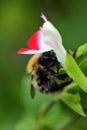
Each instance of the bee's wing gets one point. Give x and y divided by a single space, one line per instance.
32 89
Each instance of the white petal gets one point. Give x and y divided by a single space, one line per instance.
51 31
53 38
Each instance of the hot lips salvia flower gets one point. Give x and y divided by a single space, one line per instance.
48 38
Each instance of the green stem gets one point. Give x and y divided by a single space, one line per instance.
71 123
49 106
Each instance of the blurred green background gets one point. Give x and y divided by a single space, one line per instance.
18 20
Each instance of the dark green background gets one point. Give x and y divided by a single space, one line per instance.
18 20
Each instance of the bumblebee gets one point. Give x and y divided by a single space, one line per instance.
44 69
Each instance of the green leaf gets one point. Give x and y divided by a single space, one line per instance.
72 87
83 65
73 101
81 50
75 72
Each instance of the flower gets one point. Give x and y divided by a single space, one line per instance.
53 38
48 38
45 39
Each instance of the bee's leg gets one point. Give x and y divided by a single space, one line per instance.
52 72
74 53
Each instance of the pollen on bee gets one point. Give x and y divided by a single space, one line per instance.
33 63
41 28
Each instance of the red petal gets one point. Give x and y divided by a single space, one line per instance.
20 51
34 40
28 51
